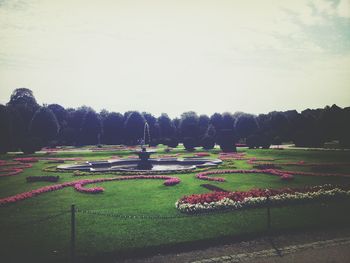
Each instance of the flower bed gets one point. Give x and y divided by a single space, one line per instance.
257 198
11 170
79 186
255 161
61 159
204 175
27 159
202 154
44 178
232 156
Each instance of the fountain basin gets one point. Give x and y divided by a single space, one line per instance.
133 165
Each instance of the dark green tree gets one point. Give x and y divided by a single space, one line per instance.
113 128
189 126
5 129
134 128
246 125
44 125
90 131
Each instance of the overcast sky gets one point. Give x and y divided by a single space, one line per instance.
173 56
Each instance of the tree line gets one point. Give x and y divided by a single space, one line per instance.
27 126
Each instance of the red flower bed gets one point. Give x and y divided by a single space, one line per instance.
204 175
240 195
61 159
27 159
11 170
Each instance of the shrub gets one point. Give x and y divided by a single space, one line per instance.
256 141
226 140
208 142
189 143
31 145
264 142
252 141
171 142
154 142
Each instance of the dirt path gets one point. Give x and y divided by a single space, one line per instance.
326 246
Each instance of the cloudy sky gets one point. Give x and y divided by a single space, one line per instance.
173 56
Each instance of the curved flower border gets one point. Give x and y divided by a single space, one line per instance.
79 186
284 175
198 203
10 169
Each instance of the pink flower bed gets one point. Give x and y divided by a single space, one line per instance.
315 174
300 163
6 163
27 159
61 159
241 195
79 186
232 156
204 175
11 170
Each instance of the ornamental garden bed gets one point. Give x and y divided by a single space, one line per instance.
258 198
109 233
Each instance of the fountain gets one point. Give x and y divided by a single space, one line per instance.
144 162
144 155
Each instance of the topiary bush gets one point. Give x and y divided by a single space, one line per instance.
257 141
172 142
252 141
189 143
264 142
31 145
208 142
226 140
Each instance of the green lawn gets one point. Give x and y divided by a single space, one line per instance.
26 236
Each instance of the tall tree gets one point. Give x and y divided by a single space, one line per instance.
44 125
203 123
246 125
134 128
216 121
90 128
166 126
5 129
113 128
22 106
189 126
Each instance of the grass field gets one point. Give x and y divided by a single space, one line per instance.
28 235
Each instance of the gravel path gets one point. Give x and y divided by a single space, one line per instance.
326 246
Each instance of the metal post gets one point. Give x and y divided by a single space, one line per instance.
268 214
72 236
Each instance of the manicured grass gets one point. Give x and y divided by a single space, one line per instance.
107 236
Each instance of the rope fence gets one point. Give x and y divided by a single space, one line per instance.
73 211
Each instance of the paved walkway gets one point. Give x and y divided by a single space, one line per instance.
333 250
332 246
